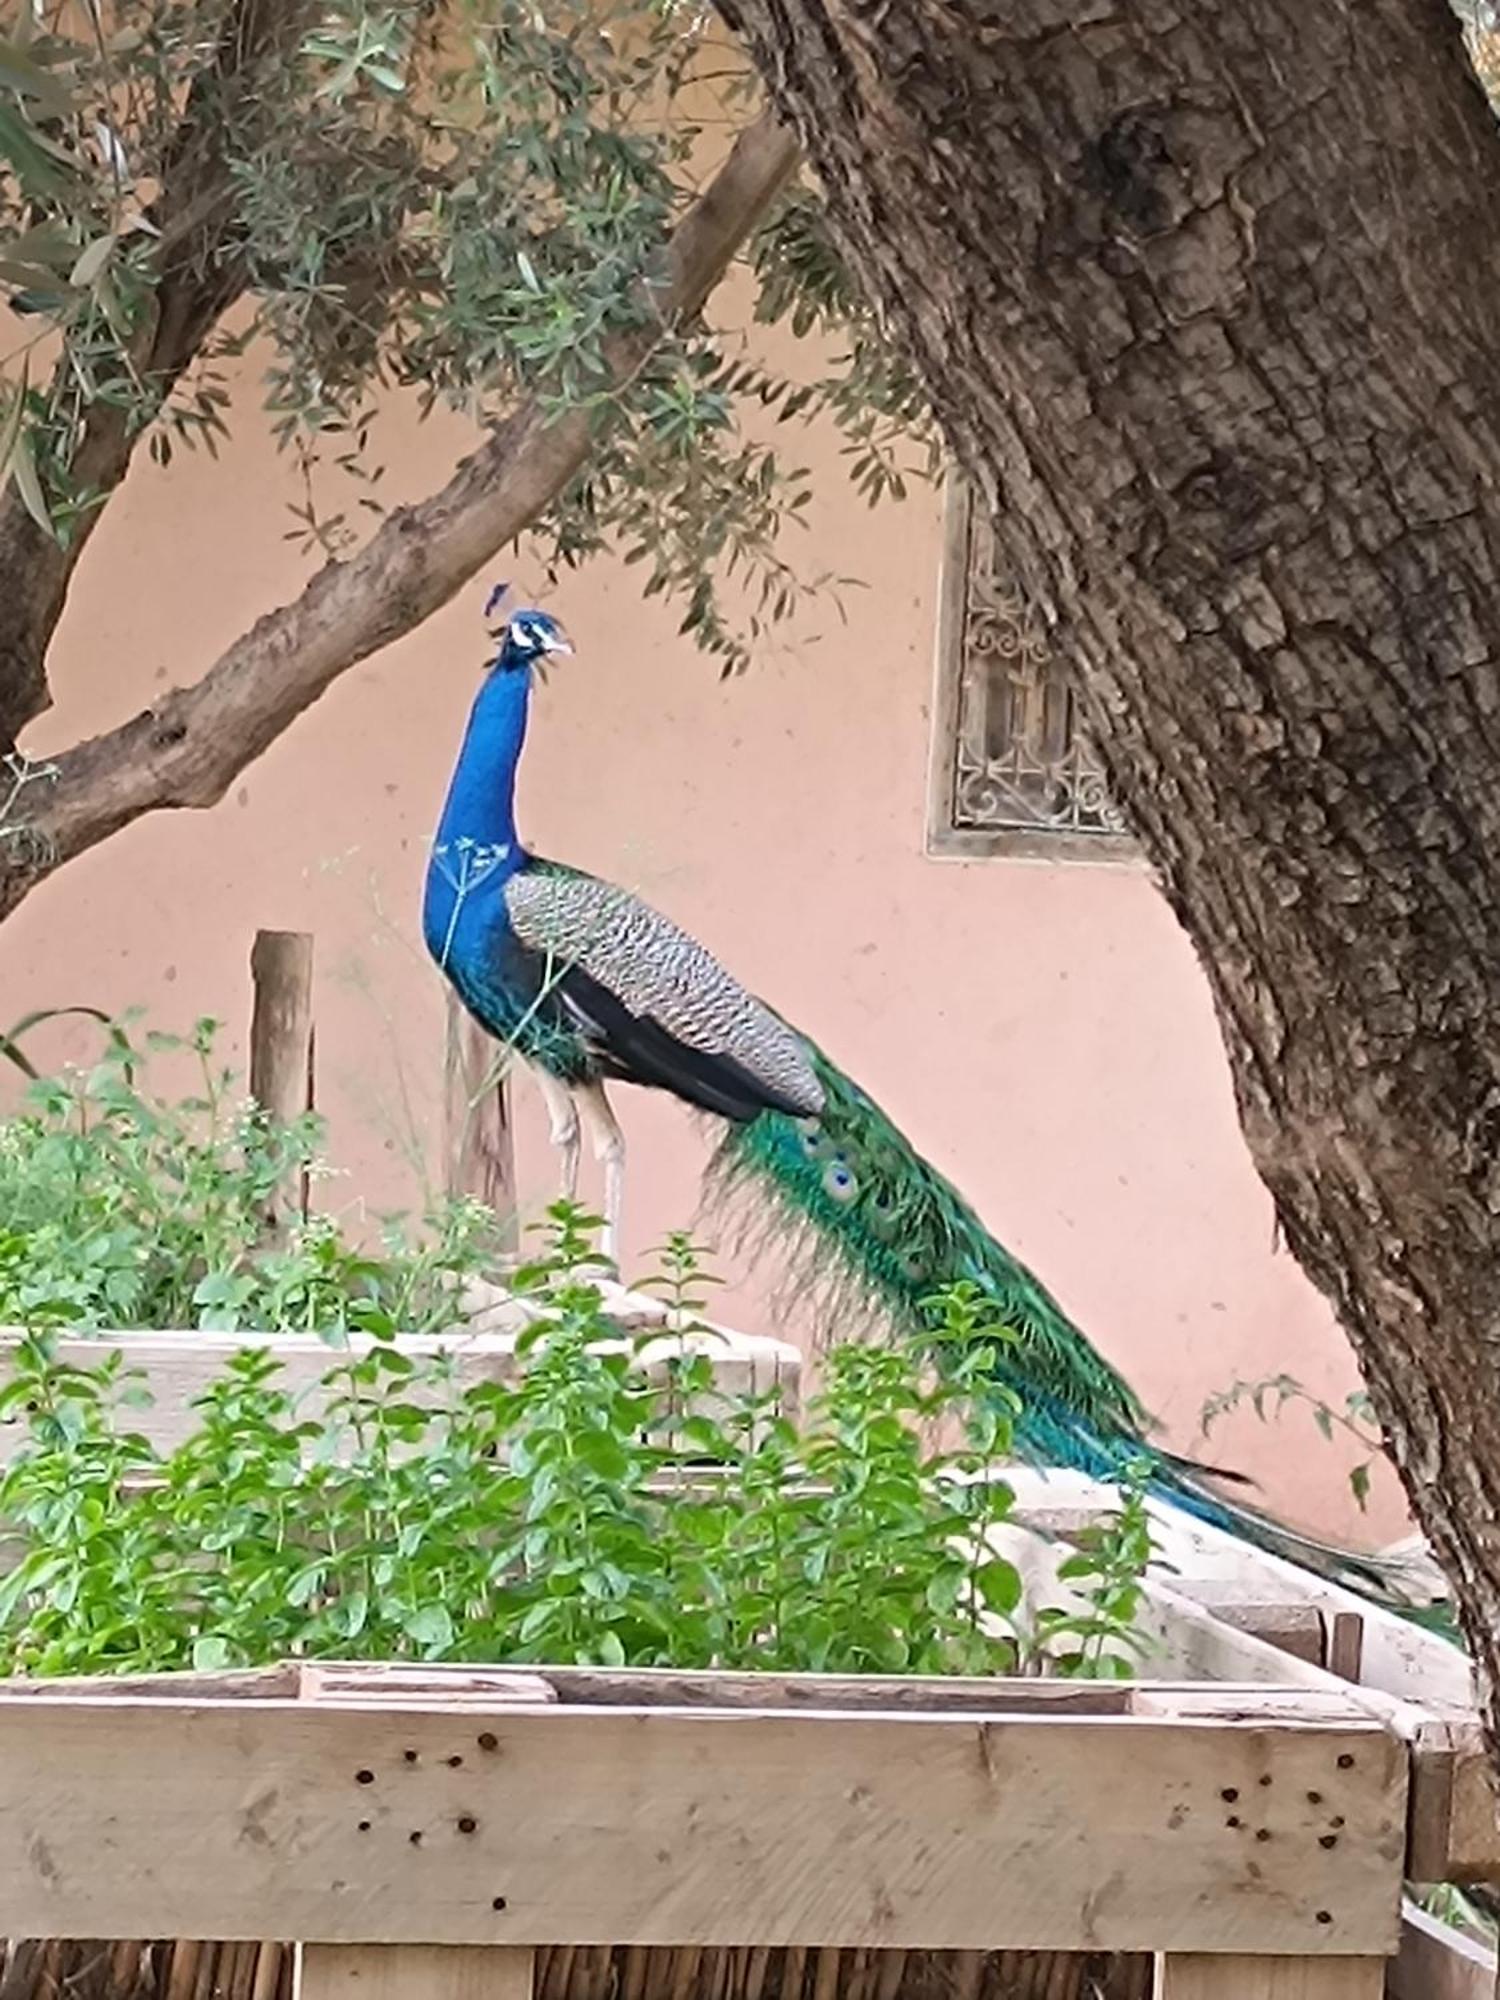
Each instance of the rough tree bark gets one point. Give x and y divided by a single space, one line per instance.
1208 301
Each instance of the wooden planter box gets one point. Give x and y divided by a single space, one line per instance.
432 1832
732 1837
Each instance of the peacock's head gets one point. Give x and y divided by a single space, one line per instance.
526 636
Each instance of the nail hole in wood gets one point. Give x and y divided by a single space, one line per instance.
498 1903
1328 1840
1337 1820
468 1823
1325 1916
410 1756
1229 1795
488 1740
1262 1833
415 1836
1315 1798
364 1777
453 1762
1346 1761
1265 1778
1234 1820
364 1826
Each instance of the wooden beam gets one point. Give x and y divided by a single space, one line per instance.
1398 1658
1233 1977
1276 1830
413 1972
281 1039
1436 1962
1455 1822
1186 1641
180 1366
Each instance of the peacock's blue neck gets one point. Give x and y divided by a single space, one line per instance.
476 849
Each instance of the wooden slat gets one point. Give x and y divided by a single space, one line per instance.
180 1366
649 1826
413 1972
1455 1828
1237 1978
1185 1641
1436 1963
380 1682
1398 1658
890 1694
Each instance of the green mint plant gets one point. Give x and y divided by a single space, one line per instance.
613 1500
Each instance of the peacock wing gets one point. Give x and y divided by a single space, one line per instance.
654 1001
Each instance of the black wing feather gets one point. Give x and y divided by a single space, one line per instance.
637 1049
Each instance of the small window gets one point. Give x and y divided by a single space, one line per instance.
1012 772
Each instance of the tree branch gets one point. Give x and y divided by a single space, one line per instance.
198 279
189 748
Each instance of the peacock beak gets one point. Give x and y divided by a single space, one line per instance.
558 642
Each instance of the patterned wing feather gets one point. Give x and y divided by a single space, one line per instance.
667 983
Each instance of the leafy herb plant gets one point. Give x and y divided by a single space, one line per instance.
600 1504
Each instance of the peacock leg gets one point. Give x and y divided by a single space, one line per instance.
608 1142
562 1119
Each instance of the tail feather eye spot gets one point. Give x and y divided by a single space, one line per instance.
839 1182
816 1145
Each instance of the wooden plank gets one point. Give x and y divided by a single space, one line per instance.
413 1972
1399 1658
479 1145
180 1366
1298 1629
384 1682
1455 1825
1436 1962
888 1694
1185 1641
586 1825
1224 1977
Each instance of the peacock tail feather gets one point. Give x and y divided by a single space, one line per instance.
869 1230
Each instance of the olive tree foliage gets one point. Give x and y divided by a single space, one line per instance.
518 210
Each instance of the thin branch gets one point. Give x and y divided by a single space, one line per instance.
197 282
189 748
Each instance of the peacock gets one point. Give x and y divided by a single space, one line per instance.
590 985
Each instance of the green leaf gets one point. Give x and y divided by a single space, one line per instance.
42 167
23 471
430 1626
999 1585
10 432
28 79
92 261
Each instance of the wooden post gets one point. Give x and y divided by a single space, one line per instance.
1232 1976
281 1032
414 1972
1346 1645
479 1143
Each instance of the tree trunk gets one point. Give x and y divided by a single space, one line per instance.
1208 300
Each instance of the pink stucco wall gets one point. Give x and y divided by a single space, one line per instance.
1041 1031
